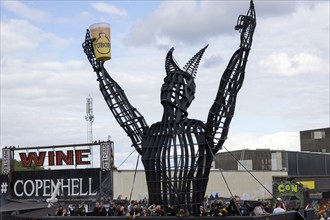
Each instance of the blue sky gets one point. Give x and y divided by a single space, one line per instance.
45 76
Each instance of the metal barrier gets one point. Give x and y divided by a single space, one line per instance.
289 215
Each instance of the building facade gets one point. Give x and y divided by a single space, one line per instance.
310 168
240 183
316 140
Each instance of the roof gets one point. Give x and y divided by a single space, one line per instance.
39 213
12 206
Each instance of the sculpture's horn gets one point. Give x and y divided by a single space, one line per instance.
170 63
192 64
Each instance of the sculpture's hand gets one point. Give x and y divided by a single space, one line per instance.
223 108
89 51
246 25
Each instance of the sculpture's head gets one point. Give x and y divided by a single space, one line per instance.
178 89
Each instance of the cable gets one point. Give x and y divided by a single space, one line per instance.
231 194
137 163
126 158
248 171
222 174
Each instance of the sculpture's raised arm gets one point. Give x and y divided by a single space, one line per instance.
246 25
223 108
126 115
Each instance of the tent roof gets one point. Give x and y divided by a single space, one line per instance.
39 213
22 205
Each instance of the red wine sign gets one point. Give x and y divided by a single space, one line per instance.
56 158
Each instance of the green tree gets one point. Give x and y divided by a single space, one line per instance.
19 167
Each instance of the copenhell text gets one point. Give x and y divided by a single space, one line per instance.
45 187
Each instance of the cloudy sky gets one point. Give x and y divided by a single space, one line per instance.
45 76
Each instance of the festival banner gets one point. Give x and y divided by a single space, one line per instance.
74 184
6 161
106 156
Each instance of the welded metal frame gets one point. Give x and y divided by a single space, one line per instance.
177 152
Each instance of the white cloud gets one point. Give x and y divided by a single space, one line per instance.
13 36
108 8
44 101
301 63
305 31
25 11
34 76
85 15
183 21
196 21
20 37
274 141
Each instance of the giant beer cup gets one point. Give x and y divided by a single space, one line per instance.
100 34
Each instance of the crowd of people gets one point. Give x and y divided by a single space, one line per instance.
75 210
210 207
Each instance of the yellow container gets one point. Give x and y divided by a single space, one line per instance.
100 34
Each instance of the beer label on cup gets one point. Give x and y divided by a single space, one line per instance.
102 44
100 33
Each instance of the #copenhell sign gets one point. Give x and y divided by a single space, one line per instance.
74 183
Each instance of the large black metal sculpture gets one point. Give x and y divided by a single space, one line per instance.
177 152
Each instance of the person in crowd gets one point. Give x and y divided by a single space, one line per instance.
232 208
182 213
135 211
221 204
207 209
202 211
103 210
214 210
65 212
144 211
153 208
223 212
143 202
278 208
158 211
267 206
130 206
121 210
59 211
170 211
282 203
82 211
206 202
112 209
309 206
259 210
246 208
97 209
218 208
74 210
